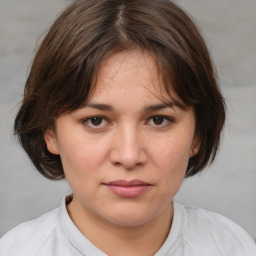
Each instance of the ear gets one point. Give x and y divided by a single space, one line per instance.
195 146
51 143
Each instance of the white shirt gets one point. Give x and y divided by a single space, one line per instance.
194 232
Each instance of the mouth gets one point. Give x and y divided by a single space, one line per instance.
128 189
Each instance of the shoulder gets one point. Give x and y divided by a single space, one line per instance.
27 236
216 232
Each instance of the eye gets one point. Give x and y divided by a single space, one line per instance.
95 122
160 121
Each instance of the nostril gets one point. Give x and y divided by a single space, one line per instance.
129 164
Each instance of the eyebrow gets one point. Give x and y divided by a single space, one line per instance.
104 107
147 109
157 107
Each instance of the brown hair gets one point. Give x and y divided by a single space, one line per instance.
86 33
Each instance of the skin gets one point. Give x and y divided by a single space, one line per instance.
129 139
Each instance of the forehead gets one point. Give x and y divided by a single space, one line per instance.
131 72
128 65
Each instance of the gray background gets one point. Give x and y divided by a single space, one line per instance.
227 187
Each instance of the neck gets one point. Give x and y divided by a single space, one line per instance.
145 239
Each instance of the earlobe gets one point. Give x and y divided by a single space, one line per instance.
50 140
194 151
195 147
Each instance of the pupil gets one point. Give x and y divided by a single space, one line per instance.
158 120
96 120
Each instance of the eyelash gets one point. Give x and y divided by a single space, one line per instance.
165 118
89 119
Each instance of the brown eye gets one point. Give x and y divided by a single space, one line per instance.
96 121
158 120
161 121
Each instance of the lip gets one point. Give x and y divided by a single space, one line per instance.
128 189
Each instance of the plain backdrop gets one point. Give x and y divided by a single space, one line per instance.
227 187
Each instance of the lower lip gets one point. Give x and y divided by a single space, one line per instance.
128 191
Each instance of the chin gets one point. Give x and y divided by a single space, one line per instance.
129 217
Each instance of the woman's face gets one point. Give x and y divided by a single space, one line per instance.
125 152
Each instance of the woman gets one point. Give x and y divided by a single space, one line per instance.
122 101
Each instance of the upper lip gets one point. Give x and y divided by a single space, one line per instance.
127 183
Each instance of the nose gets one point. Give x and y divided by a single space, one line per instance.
128 149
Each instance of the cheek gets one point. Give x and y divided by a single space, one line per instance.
171 159
170 164
79 166
171 153
82 157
